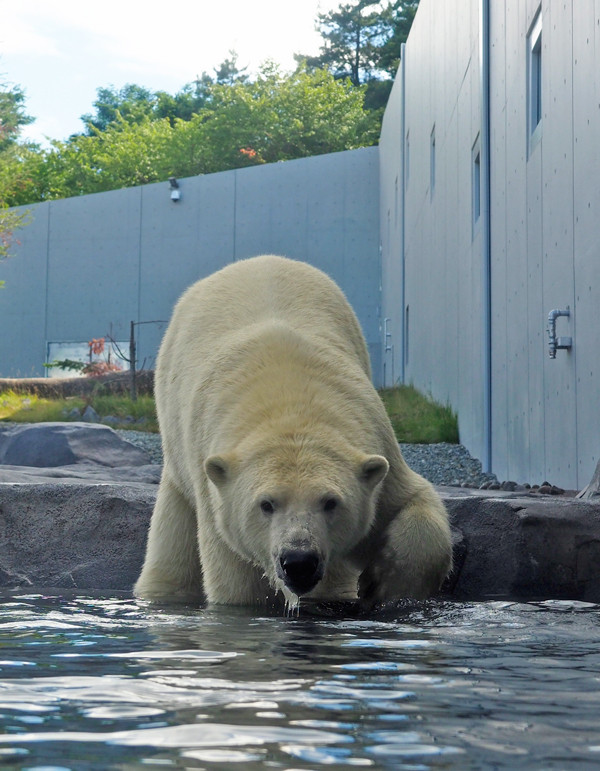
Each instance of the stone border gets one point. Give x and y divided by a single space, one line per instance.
91 536
526 547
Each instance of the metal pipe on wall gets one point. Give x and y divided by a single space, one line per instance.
402 210
486 247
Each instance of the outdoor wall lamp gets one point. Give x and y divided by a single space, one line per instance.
174 187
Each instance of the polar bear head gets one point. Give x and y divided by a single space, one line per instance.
293 505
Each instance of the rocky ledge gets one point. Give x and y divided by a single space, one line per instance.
76 516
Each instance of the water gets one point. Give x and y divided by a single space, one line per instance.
91 682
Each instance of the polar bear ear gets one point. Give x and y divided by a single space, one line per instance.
218 469
373 469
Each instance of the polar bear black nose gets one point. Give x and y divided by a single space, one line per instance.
300 570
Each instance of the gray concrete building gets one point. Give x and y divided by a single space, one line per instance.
490 203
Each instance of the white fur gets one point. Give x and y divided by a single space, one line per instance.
263 390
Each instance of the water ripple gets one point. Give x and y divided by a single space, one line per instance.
99 683
192 735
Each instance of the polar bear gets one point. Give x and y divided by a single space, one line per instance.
282 476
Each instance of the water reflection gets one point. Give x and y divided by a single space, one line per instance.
103 682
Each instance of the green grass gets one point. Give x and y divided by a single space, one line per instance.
31 408
418 419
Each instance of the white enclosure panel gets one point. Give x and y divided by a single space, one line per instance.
544 214
586 238
560 418
23 306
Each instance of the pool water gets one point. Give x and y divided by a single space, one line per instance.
92 682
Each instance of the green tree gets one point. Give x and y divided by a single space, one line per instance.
123 155
12 120
275 117
22 175
135 104
403 17
12 115
194 96
186 102
353 35
362 43
279 117
228 72
132 103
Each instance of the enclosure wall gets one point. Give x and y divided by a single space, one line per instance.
544 248
88 266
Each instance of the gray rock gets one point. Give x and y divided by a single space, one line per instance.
592 490
86 536
64 444
525 547
91 534
90 415
81 472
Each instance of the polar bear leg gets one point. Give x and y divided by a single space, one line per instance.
172 565
229 579
415 552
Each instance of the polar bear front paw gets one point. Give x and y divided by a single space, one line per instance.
388 579
381 580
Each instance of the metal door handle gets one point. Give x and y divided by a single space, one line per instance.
554 342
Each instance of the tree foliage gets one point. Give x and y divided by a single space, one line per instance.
134 104
403 17
12 115
236 123
362 43
131 103
12 119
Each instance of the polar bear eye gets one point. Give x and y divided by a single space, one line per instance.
266 507
330 504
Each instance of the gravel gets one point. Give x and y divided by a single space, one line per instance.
446 464
144 440
441 464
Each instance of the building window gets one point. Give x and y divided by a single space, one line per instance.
406 160
432 163
475 184
534 81
406 334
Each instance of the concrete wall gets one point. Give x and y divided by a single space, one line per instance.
440 348
544 210
546 246
89 265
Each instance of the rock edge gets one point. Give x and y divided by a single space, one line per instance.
91 534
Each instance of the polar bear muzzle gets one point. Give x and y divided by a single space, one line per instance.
299 569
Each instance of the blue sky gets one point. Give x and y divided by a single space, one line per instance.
61 51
